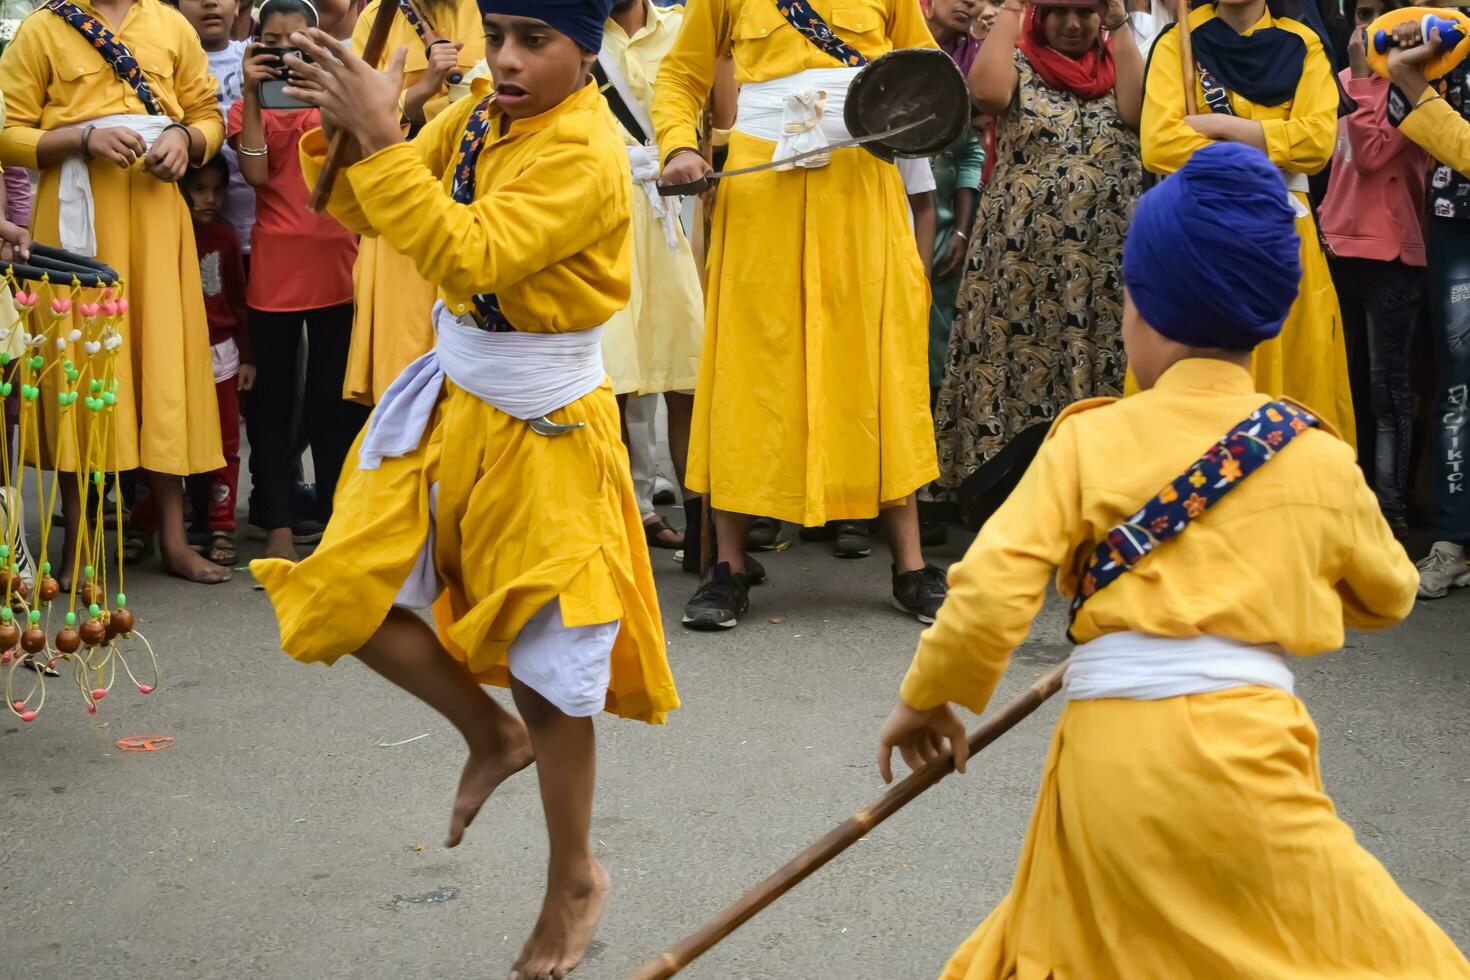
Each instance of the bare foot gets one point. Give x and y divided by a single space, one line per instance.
568 922
507 754
187 564
279 544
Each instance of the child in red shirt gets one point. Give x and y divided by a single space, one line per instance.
222 272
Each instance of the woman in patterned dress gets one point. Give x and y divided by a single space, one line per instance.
1041 305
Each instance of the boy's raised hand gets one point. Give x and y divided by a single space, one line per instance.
350 93
921 737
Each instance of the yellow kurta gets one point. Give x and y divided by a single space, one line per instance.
813 394
1308 361
1189 836
652 344
522 519
390 326
167 412
1440 130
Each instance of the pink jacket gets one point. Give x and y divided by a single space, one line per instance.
1375 202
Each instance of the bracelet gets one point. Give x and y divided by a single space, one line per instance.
87 142
1110 28
188 136
961 235
252 151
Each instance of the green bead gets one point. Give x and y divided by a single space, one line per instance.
72 374
67 364
35 616
95 386
5 389
4 551
71 619
97 479
37 361
122 600
94 610
6 615
45 568
88 570
109 399
113 386
4 359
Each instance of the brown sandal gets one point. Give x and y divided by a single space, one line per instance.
654 531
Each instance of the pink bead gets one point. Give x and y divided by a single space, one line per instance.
99 694
25 299
91 709
28 716
145 688
122 306
61 305
107 294
4 659
18 705
90 310
109 308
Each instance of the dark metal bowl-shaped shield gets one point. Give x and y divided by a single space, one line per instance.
900 87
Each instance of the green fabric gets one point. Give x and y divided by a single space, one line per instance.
957 168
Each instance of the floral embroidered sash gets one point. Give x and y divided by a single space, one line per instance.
113 51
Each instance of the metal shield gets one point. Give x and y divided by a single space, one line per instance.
904 85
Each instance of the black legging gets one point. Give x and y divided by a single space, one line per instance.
1380 303
330 422
1448 242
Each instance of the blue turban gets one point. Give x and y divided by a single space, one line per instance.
1213 257
580 20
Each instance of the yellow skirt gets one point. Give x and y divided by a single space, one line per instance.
1191 837
813 395
390 325
652 345
167 411
521 519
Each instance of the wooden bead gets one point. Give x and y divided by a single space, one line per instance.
33 640
122 621
110 628
87 594
48 589
9 636
67 640
93 632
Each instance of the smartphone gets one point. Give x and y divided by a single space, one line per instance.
271 94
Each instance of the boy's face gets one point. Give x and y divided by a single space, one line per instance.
535 67
212 20
206 191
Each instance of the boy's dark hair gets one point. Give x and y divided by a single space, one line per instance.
216 164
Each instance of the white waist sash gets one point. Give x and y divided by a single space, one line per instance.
76 217
1143 667
646 166
797 112
1297 184
525 375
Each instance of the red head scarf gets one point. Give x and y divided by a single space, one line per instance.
1088 77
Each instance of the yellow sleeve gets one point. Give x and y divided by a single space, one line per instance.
1303 142
907 27
343 204
996 590
543 216
25 71
688 73
1167 141
1441 131
195 88
1379 582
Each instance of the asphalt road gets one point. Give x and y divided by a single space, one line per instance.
287 836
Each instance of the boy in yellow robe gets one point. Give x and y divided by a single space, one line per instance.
1263 80
492 475
813 396
110 141
1182 829
389 325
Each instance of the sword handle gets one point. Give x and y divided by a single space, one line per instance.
685 190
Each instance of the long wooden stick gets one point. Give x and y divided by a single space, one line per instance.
372 53
1186 56
844 836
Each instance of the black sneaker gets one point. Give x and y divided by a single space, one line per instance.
852 540
920 593
932 534
719 602
764 534
823 532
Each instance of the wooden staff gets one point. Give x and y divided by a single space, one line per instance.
1186 56
844 836
372 52
430 37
